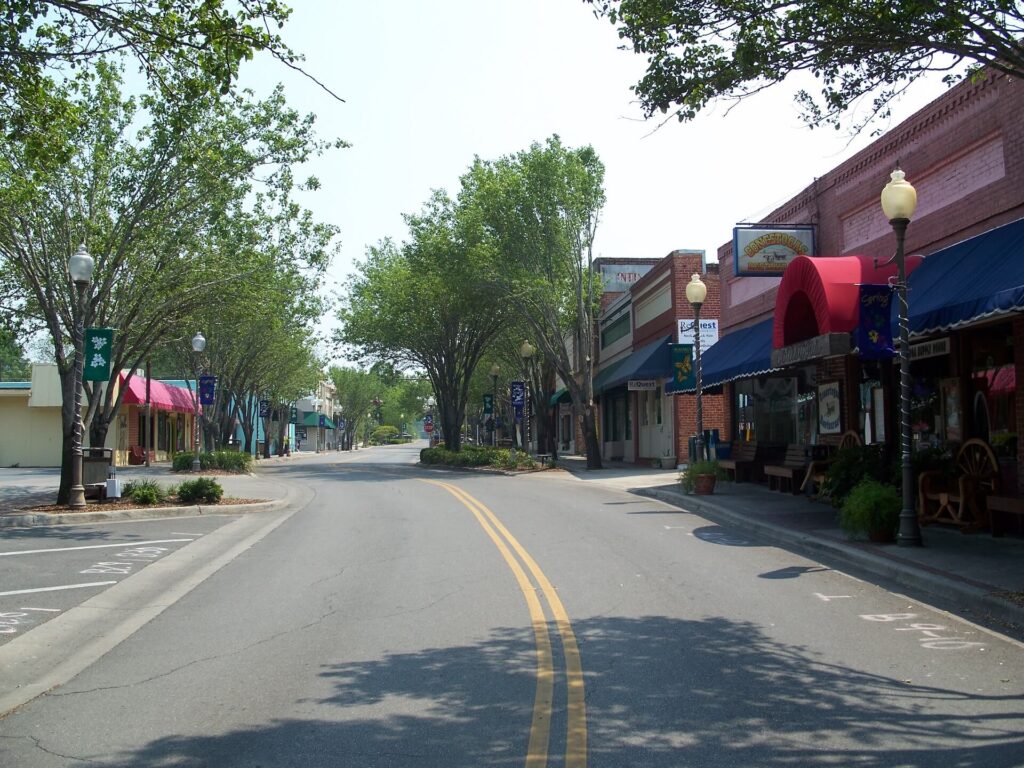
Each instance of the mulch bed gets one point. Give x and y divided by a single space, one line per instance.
116 504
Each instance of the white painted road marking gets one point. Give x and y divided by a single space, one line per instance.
122 545
47 610
57 589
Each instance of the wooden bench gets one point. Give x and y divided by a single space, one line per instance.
792 466
742 461
1007 505
959 498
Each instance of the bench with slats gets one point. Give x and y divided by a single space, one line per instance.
792 466
742 461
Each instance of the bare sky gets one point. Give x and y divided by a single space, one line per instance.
428 85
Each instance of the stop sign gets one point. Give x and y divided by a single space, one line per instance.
428 427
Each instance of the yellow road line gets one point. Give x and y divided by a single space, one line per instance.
576 736
540 727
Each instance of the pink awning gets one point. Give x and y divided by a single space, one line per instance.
162 396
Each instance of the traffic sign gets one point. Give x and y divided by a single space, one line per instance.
428 427
428 418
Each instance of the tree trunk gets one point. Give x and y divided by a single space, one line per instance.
590 438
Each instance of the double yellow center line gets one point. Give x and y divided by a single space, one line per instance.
540 728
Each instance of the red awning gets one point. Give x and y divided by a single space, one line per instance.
162 396
820 294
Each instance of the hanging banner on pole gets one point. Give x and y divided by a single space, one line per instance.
207 389
99 344
684 373
874 326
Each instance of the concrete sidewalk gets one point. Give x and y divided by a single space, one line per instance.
974 573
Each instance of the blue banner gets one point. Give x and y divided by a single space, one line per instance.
874 327
684 373
207 389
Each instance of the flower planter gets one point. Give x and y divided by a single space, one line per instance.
704 485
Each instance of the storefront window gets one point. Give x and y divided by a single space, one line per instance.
769 410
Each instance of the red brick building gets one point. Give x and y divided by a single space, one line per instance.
783 359
640 420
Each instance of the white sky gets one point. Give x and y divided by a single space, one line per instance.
428 85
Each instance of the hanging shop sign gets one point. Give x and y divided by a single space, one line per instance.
765 251
708 333
829 414
99 343
619 277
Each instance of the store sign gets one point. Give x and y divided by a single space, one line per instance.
767 251
708 333
816 348
619 277
926 349
642 385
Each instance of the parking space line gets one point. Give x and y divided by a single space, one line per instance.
57 589
122 545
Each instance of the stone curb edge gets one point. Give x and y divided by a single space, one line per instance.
44 518
977 600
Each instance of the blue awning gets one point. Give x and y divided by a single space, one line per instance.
652 361
977 278
737 355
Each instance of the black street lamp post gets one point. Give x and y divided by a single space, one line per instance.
80 267
198 345
495 370
899 199
696 293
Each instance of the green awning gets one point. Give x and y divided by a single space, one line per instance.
313 420
561 396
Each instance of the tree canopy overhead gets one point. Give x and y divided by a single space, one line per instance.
702 51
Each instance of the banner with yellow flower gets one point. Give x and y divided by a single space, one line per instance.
684 372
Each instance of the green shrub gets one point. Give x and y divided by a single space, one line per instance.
227 461
871 508
201 489
383 434
853 464
144 492
231 461
478 456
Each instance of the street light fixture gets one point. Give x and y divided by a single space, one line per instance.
430 409
899 199
526 351
696 293
198 345
495 370
80 267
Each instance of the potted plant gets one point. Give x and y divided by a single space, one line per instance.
700 476
871 508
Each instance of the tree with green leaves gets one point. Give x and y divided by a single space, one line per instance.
13 365
860 52
150 203
355 390
427 304
541 208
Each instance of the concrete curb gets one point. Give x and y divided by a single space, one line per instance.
969 597
142 513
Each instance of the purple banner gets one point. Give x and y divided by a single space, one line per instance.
874 328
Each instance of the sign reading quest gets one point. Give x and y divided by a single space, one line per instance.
766 251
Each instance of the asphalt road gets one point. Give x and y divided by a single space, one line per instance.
396 616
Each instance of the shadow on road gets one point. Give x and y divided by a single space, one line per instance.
661 693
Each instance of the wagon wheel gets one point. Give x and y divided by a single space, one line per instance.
977 460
